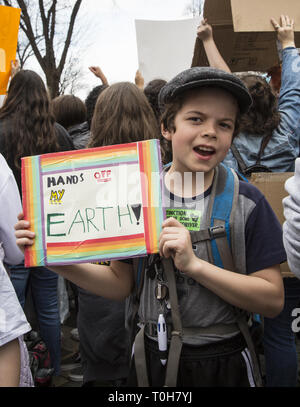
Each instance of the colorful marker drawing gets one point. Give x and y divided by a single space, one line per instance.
96 204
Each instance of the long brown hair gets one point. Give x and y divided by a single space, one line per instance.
122 115
263 116
28 124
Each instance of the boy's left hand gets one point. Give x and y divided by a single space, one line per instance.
175 241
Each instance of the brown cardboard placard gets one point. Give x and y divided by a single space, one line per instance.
255 15
272 186
242 51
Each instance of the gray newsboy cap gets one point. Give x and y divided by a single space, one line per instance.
205 76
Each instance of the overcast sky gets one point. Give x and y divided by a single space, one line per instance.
108 29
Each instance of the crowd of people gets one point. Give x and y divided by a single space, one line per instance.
227 311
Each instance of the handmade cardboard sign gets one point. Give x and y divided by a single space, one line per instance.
9 28
243 32
272 186
255 15
93 205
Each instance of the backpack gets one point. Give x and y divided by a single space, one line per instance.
39 361
257 167
219 229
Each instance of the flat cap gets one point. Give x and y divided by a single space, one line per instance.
205 76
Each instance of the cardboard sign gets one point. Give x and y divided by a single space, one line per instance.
93 205
165 48
242 51
272 186
9 28
255 15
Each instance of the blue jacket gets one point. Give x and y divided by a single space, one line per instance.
283 148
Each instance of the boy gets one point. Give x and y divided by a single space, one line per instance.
201 108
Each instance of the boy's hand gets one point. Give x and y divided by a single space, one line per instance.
204 31
285 31
175 241
24 237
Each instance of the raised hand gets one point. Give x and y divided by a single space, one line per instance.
285 31
204 31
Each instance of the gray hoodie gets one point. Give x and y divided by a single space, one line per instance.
291 227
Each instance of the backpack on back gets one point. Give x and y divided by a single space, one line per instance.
257 167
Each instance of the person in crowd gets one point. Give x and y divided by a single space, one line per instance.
27 127
151 91
291 205
14 359
269 134
200 122
74 361
122 115
70 112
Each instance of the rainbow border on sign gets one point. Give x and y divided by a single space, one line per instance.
146 153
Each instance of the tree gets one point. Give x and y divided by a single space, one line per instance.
195 8
39 24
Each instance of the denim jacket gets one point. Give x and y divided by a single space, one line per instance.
283 148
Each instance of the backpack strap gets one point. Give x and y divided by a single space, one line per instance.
140 359
241 163
176 335
218 223
257 167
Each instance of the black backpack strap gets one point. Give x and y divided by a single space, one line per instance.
257 167
176 335
140 359
241 163
245 330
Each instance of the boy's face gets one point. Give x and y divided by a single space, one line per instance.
204 129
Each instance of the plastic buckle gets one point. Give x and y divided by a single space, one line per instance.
217 231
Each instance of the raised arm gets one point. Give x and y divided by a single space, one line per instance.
96 70
285 31
139 80
289 97
15 68
215 59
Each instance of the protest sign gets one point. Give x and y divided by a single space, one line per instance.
255 50
255 15
93 205
271 184
9 27
165 48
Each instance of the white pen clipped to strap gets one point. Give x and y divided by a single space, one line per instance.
162 338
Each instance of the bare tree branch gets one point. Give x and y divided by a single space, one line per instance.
69 36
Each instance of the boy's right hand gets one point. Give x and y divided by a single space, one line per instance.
24 237
204 31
